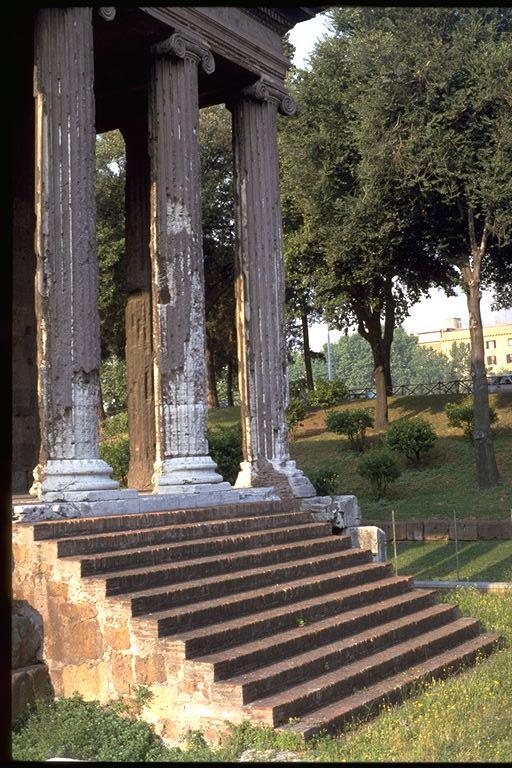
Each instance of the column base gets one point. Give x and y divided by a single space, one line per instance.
288 480
74 480
188 474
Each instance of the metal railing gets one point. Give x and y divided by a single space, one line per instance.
455 387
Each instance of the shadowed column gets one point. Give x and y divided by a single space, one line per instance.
139 345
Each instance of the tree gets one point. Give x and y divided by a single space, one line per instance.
110 183
218 246
437 82
349 224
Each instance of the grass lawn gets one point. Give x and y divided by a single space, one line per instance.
478 560
446 479
466 718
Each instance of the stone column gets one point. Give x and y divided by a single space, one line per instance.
139 346
182 460
25 419
67 271
260 293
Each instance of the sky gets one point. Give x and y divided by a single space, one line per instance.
429 313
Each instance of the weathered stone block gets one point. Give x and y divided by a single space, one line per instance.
370 537
121 667
436 530
341 511
414 529
27 685
466 530
494 529
27 635
150 669
117 638
89 679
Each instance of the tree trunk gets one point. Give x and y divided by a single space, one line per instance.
486 467
212 398
373 335
307 352
229 382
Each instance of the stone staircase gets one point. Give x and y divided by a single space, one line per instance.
276 619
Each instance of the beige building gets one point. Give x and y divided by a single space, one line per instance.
497 338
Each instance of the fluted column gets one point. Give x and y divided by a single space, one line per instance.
67 269
260 292
182 458
139 344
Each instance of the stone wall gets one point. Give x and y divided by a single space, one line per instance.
95 647
468 529
29 674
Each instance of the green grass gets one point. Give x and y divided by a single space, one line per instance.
478 560
463 719
444 482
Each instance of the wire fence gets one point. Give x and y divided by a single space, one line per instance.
455 387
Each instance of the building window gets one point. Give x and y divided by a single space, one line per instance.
510 342
491 360
490 344
509 358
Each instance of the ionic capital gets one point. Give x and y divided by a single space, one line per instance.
186 44
108 13
266 90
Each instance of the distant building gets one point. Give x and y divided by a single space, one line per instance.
497 339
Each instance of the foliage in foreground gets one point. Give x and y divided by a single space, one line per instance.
325 480
463 719
226 450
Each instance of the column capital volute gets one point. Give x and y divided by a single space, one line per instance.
185 44
270 91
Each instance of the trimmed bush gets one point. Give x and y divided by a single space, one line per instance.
411 437
325 480
295 414
226 450
116 452
381 468
461 416
353 423
327 393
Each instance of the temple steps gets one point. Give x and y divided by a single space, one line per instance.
114 560
131 539
135 579
290 625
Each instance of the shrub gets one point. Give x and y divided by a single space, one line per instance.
295 414
460 416
325 480
114 390
411 437
116 452
353 423
327 393
298 388
381 468
84 730
116 425
226 450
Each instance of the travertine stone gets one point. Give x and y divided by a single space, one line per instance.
259 289
67 271
139 349
370 537
342 511
182 456
26 635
